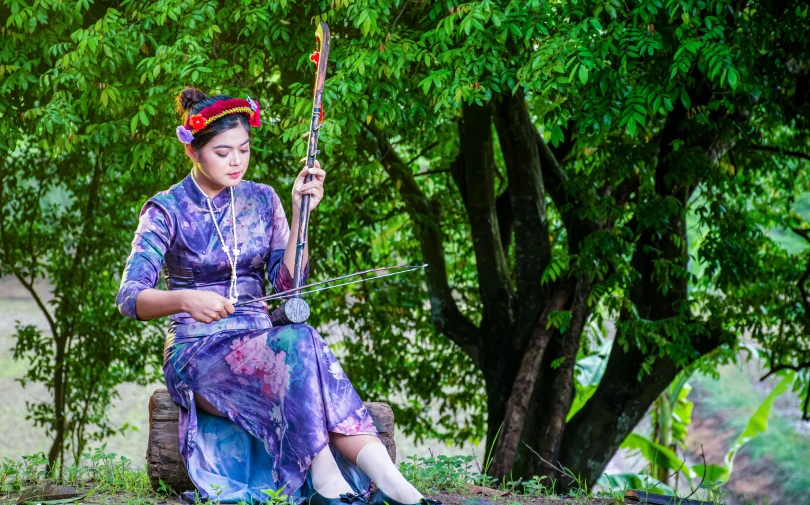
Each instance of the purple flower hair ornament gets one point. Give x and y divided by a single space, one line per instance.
253 105
184 135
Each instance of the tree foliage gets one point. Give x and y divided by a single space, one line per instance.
544 158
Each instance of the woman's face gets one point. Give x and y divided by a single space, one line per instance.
225 158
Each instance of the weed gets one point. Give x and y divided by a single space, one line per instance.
449 473
537 487
98 473
218 490
276 497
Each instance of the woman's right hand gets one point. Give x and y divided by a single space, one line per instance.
206 306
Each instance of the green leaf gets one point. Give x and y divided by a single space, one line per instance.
687 103
656 453
573 73
732 77
758 423
624 481
714 474
583 74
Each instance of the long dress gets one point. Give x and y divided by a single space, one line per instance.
280 387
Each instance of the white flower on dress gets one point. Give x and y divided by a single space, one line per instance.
336 371
275 413
303 465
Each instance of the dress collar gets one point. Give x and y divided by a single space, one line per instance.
193 192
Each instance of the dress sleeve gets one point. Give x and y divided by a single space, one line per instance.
278 274
152 240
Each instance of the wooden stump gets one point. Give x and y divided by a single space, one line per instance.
163 461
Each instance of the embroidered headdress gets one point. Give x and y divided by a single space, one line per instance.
200 120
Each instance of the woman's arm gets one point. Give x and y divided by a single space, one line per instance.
279 275
154 303
203 306
152 239
137 296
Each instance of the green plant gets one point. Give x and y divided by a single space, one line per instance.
619 483
708 478
163 489
671 416
590 365
536 486
277 496
218 490
450 473
713 476
11 469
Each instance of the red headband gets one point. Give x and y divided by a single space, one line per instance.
213 112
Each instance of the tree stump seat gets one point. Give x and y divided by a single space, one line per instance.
163 461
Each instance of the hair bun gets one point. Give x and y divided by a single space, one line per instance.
189 97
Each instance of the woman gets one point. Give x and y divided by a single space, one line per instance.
262 407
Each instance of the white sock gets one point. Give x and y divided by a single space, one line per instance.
326 477
374 461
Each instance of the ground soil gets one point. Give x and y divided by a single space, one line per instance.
489 497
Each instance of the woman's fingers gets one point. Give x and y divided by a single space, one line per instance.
314 187
317 173
308 187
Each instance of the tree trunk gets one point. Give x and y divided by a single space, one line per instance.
58 446
528 399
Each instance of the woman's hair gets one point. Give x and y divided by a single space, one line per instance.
190 101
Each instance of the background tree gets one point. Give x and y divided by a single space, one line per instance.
544 159
68 211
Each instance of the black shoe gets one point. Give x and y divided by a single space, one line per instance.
344 499
380 498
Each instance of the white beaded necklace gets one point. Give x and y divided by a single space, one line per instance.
233 295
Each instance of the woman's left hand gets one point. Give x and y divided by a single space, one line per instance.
313 188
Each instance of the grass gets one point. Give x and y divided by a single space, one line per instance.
107 480
99 475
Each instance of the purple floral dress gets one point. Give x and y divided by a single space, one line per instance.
280 387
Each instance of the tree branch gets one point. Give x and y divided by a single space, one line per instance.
620 401
431 172
446 316
783 152
474 173
422 152
506 218
503 455
804 233
28 286
518 140
553 175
